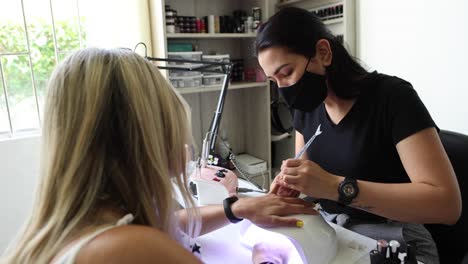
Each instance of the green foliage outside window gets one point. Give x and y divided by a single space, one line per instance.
16 67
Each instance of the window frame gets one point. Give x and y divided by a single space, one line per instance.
12 133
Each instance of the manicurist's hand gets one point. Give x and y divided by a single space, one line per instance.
272 210
280 190
309 178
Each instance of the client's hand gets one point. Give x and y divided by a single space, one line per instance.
272 210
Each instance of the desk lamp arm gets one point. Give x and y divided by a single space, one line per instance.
209 141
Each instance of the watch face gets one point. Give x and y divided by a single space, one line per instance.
348 189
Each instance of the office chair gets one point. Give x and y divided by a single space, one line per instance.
451 240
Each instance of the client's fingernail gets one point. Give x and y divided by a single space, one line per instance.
299 224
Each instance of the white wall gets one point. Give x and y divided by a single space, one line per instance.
19 166
116 23
426 43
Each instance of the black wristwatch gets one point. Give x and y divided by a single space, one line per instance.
347 190
227 203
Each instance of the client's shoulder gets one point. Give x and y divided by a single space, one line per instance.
134 244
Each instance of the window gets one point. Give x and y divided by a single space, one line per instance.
34 36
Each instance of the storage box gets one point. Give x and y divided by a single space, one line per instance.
216 79
216 58
186 82
185 72
179 47
193 55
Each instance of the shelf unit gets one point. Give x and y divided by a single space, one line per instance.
208 35
246 117
288 3
345 25
333 21
215 88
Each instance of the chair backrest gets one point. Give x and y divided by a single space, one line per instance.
451 240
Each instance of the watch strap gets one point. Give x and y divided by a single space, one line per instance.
227 203
342 197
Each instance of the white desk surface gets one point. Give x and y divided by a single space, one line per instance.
224 245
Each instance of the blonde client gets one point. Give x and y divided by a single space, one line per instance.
114 135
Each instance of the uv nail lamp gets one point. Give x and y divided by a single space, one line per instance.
314 243
214 184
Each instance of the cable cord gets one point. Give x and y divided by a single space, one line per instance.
244 175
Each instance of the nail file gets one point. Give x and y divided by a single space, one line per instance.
306 146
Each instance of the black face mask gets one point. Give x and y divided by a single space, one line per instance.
307 93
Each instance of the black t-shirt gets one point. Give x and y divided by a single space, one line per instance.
363 144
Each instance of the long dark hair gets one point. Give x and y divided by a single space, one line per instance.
298 30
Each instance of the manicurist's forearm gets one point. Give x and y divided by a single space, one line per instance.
408 202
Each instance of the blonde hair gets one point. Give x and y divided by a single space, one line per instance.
114 132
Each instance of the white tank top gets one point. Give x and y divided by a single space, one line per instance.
69 256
